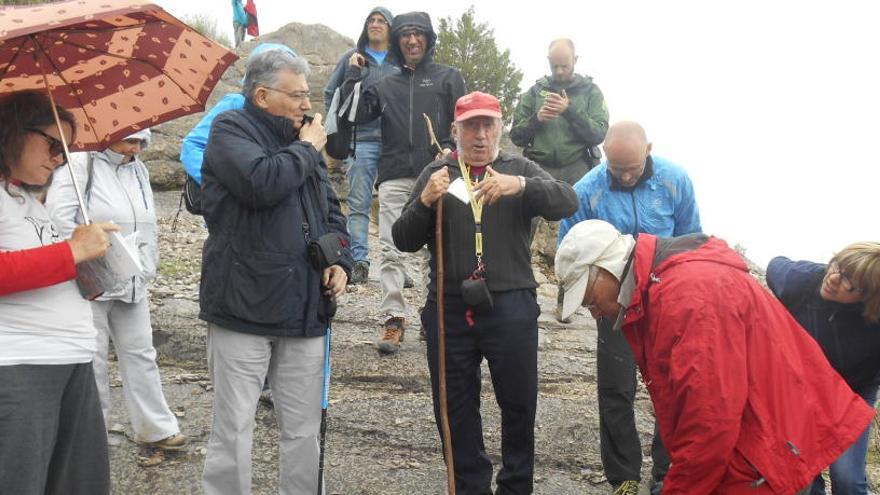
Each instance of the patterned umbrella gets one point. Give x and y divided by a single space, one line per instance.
118 65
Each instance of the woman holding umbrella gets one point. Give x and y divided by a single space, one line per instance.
52 436
117 189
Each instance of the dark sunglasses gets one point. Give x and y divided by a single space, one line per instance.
55 146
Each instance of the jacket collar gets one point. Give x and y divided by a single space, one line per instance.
281 127
577 81
641 269
114 158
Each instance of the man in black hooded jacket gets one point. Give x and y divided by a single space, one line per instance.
361 168
422 88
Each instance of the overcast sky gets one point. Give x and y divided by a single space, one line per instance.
772 106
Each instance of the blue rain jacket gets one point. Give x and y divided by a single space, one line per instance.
663 204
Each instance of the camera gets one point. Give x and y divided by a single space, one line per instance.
324 252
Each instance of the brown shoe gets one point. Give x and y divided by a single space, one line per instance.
392 336
177 441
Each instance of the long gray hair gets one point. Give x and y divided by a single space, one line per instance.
263 69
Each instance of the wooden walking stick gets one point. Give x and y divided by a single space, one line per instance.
441 329
441 354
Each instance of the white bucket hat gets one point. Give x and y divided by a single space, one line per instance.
588 243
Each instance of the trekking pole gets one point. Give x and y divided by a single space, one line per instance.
325 403
441 355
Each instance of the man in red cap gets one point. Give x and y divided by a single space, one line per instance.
489 199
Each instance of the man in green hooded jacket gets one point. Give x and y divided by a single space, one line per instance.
562 119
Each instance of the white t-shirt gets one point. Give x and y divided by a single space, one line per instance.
52 325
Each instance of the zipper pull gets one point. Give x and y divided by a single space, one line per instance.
306 233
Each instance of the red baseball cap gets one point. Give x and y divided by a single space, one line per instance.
477 104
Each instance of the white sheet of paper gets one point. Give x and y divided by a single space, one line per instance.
122 257
459 190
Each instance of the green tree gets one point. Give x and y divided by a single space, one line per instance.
470 46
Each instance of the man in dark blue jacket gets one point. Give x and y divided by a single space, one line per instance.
423 88
265 194
361 169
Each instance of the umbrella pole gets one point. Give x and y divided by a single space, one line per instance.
325 404
76 188
441 354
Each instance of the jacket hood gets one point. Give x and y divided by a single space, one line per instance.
714 251
114 158
655 255
364 40
577 80
144 135
419 20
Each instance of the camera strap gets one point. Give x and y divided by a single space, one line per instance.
477 210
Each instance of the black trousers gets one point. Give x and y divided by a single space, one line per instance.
507 338
620 446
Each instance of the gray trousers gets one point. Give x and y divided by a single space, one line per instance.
52 435
128 325
239 363
393 195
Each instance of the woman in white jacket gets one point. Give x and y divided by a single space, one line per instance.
116 187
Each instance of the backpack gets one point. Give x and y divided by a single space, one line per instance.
191 195
340 124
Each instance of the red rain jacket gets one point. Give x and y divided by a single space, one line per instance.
253 27
742 393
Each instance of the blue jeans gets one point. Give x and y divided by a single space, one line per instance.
848 471
361 171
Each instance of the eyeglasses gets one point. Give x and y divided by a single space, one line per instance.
618 171
294 95
592 278
56 147
411 32
377 20
843 280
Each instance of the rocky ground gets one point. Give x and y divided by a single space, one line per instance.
381 437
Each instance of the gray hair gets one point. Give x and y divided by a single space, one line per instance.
457 137
263 69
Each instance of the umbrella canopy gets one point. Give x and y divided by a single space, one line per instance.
118 65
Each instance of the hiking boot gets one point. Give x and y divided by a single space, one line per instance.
177 441
628 487
408 281
392 336
360 273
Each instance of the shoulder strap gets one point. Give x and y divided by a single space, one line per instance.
315 185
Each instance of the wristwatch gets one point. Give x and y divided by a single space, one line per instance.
522 184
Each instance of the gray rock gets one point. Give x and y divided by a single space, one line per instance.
545 241
166 175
